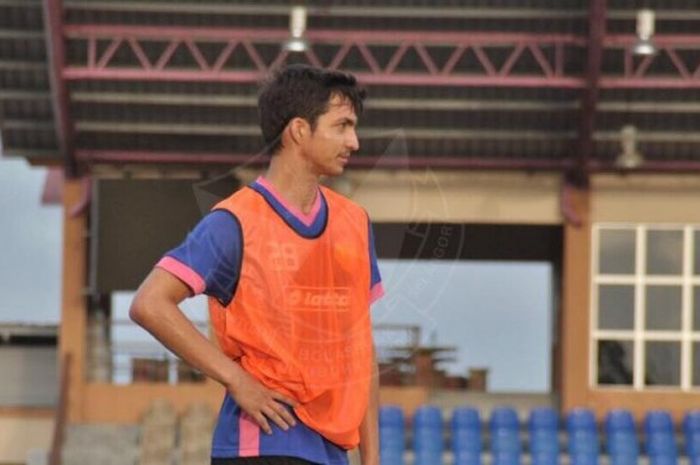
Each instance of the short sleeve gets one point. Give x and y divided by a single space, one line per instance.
208 261
376 289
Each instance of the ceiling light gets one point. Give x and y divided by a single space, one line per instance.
630 157
297 28
645 32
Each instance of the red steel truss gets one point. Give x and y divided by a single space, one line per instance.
551 52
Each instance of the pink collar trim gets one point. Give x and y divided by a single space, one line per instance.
306 218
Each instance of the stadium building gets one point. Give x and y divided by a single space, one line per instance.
555 131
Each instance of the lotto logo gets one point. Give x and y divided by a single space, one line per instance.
318 298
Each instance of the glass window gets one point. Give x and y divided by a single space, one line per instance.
641 298
662 363
617 251
615 307
663 307
664 252
615 362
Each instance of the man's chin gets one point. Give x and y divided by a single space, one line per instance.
335 171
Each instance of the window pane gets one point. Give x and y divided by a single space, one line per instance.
615 362
663 307
617 251
665 252
696 308
662 364
615 307
696 363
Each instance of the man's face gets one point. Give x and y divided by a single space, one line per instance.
334 138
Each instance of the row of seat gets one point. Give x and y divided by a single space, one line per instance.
543 426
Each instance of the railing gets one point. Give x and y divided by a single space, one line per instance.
61 411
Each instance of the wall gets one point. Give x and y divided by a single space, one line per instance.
450 196
23 430
646 198
614 198
29 376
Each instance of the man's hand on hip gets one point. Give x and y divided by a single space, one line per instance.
261 403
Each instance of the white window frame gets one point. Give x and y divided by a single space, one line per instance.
639 335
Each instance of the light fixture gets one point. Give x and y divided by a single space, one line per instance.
630 157
297 27
645 32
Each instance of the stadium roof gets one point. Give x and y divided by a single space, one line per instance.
507 84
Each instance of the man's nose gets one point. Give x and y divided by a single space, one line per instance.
353 143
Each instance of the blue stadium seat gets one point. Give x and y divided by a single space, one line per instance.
660 438
584 446
427 435
392 441
505 436
466 436
621 434
691 431
543 427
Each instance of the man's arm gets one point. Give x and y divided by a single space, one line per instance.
369 429
155 308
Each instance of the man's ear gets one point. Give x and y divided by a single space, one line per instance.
298 129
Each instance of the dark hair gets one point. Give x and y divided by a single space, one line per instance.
301 91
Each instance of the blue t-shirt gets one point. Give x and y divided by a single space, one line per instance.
209 261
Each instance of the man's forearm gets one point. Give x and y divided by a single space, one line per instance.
168 324
369 429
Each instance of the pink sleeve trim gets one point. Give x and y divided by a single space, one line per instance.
376 293
184 273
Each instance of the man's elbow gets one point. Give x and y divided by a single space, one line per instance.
140 306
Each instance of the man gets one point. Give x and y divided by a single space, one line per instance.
290 270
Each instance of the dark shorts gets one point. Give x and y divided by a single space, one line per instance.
271 460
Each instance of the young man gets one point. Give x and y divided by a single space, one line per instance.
290 270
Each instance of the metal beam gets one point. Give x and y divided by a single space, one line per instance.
27 125
366 11
165 33
21 3
589 99
18 94
9 151
20 34
650 107
22 65
424 133
652 136
547 69
208 100
407 79
425 104
414 162
149 157
409 133
55 48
